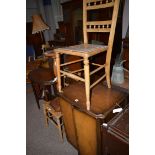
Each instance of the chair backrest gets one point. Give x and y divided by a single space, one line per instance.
100 26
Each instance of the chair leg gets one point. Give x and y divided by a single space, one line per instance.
60 128
87 81
35 94
45 116
107 72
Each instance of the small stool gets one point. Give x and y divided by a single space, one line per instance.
53 113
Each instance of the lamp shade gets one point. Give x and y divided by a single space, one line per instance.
38 24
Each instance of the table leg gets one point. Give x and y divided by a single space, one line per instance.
58 71
87 81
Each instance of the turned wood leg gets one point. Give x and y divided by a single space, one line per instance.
45 115
58 71
107 72
87 81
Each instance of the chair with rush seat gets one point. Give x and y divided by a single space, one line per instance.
86 51
53 114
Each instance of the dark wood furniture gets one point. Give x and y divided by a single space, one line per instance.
42 82
72 13
34 39
126 53
31 66
116 134
83 128
62 37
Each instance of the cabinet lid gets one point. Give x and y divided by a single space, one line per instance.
119 125
103 99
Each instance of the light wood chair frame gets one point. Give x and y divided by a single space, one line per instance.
90 26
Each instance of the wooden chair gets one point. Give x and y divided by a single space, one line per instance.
53 113
88 50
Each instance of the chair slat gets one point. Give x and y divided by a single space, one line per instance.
99 22
89 1
98 26
98 30
99 6
72 76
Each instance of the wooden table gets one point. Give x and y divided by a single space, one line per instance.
31 66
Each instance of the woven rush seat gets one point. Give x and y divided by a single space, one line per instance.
88 49
54 104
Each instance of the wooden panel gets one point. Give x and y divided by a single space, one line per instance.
117 134
86 128
69 9
67 112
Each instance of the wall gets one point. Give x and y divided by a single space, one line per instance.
125 26
31 8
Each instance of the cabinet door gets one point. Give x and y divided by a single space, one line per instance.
88 133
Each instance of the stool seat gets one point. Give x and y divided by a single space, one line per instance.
41 75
